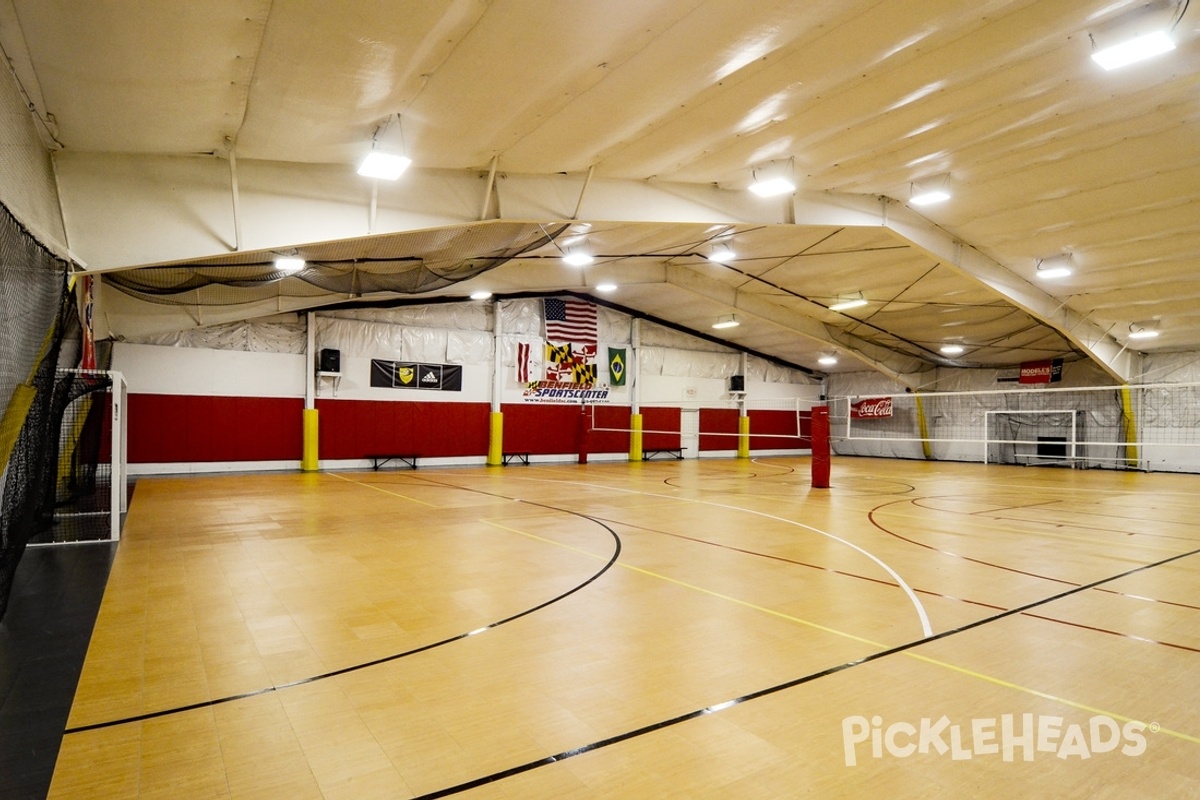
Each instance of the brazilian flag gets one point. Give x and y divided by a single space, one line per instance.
616 366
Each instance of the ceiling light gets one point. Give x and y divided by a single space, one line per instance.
577 258
385 166
289 263
931 190
482 294
953 349
827 361
1137 331
606 287
722 253
929 198
726 322
773 179
1141 33
1133 50
386 160
1054 267
772 187
848 303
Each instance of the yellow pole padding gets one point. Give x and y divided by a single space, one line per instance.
1129 424
635 437
308 459
743 450
924 426
495 456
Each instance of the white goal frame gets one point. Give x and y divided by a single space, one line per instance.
991 421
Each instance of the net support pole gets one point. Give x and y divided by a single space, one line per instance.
820 447
309 454
1129 428
635 408
495 454
743 440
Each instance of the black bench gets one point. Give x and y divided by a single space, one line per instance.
379 459
648 455
522 458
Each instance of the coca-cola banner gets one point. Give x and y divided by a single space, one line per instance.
874 408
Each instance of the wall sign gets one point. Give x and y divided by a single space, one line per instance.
411 375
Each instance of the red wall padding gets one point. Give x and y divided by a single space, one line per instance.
180 428
549 428
658 418
782 423
718 420
358 428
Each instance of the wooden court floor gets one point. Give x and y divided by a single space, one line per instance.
686 629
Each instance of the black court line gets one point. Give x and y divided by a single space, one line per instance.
657 726
385 659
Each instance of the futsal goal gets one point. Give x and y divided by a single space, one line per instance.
1046 437
86 485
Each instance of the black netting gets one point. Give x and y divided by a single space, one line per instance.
455 255
34 309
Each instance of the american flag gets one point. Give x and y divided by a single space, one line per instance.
569 320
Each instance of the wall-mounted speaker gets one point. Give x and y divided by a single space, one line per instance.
330 360
737 383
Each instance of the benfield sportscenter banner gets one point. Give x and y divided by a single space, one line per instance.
410 375
564 392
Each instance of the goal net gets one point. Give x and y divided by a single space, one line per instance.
1050 437
87 483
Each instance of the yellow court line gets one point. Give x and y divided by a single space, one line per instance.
860 639
385 491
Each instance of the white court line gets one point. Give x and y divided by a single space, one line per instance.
926 628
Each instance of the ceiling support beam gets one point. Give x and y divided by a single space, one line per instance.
894 365
1120 363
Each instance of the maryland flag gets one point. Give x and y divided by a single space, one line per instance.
583 373
571 363
616 366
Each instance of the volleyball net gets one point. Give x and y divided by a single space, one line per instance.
779 424
1151 427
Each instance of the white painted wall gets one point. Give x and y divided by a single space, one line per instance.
152 369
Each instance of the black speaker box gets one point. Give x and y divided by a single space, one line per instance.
331 360
737 383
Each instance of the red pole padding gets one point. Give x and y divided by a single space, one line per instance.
583 434
820 447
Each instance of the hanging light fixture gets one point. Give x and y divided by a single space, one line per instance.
387 160
289 263
930 191
721 253
1143 33
846 303
578 258
953 349
728 321
1139 330
1054 267
827 361
773 179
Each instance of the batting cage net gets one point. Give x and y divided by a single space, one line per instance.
36 311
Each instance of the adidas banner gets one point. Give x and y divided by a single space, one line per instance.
410 375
